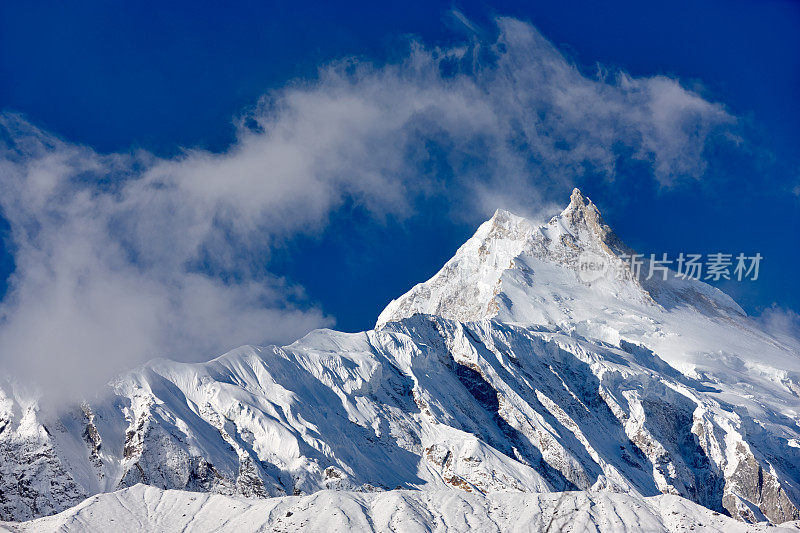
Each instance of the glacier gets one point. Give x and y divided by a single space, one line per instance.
502 382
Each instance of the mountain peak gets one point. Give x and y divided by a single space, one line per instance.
501 214
582 218
516 271
470 286
578 201
581 208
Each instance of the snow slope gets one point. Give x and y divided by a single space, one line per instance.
504 373
143 508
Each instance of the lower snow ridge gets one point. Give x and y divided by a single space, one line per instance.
147 508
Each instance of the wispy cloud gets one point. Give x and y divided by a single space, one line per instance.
780 322
123 257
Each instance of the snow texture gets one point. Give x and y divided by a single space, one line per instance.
150 509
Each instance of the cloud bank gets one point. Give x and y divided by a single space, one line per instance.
124 257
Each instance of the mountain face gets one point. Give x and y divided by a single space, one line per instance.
508 371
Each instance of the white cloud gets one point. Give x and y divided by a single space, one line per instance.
102 278
128 256
780 322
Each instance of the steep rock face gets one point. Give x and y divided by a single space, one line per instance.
519 376
33 479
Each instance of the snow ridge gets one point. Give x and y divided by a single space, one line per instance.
411 511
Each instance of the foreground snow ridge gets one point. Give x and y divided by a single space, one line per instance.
491 388
151 509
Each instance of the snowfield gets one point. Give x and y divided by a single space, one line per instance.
478 398
143 508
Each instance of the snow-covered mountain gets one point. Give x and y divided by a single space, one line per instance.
505 372
148 508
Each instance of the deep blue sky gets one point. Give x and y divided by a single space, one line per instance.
161 76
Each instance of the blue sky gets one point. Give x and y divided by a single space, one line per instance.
99 82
